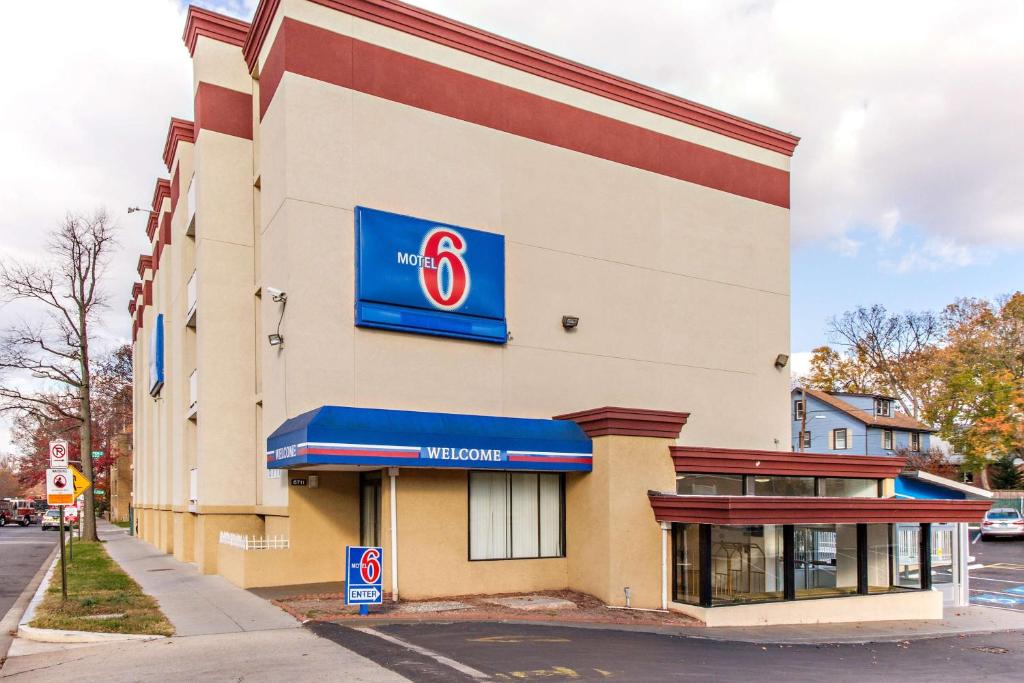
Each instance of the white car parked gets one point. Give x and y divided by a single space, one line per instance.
1004 522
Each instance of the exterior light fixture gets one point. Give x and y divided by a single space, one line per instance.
570 322
781 361
277 296
135 209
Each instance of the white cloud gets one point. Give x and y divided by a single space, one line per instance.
937 254
907 109
800 363
846 246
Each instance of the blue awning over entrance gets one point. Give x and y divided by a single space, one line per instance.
336 435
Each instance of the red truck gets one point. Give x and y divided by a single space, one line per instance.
17 511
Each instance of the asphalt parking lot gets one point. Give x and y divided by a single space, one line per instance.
494 651
999 580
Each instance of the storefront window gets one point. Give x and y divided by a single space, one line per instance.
943 537
746 564
906 563
826 560
835 487
783 486
686 563
709 484
515 515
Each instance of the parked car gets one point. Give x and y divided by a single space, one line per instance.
17 511
51 520
1003 522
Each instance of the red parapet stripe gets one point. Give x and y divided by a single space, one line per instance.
439 29
203 22
343 61
223 110
179 130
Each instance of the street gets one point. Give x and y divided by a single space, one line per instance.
22 552
510 652
999 582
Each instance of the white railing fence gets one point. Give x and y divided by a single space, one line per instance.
246 542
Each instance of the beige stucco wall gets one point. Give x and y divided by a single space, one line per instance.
681 289
888 607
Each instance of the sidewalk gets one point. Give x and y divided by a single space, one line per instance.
222 633
196 604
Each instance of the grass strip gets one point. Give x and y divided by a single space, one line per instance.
101 598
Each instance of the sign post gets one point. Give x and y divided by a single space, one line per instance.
364 573
81 484
60 491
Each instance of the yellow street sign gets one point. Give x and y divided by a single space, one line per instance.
81 483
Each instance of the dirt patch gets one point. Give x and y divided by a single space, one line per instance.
589 610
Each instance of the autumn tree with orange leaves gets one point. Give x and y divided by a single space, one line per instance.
961 370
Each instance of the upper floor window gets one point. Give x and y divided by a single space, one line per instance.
840 439
915 442
805 440
883 407
798 410
887 439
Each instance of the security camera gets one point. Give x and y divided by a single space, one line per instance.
276 294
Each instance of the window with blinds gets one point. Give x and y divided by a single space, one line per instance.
516 515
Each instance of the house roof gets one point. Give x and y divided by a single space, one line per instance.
896 421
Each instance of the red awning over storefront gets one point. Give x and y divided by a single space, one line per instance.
804 510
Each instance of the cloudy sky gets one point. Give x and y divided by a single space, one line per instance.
906 185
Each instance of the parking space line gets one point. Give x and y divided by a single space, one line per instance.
436 656
980 590
985 578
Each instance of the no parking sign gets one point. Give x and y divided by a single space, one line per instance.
364 571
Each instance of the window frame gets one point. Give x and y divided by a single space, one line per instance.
508 517
846 439
804 442
799 410
888 440
883 407
914 443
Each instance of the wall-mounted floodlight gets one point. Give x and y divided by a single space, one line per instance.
275 339
135 209
781 361
277 295
570 322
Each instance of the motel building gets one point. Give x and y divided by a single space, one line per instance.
400 266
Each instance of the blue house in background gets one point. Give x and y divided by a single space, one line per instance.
853 424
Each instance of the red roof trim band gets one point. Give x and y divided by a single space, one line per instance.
161 192
151 225
444 31
203 22
784 463
144 264
610 421
799 510
180 130
333 58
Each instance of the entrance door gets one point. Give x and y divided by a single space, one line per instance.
369 508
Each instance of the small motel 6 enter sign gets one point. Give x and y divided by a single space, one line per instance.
364 571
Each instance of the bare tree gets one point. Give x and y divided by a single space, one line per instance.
894 347
57 350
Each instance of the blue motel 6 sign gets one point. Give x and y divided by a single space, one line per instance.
415 275
364 573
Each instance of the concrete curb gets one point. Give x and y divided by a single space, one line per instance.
50 635
10 621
